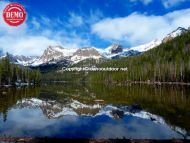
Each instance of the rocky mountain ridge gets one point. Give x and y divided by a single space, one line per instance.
55 54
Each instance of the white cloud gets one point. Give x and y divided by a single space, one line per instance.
27 39
140 28
26 45
35 44
171 3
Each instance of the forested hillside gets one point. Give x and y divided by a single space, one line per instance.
11 74
169 62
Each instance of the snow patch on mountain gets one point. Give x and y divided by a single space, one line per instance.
148 46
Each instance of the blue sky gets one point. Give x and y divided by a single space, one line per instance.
99 23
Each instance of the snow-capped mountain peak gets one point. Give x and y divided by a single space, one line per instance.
54 53
114 48
175 33
157 42
51 53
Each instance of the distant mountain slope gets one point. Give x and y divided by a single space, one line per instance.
169 62
114 51
55 54
20 59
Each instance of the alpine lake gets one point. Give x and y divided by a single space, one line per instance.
99 111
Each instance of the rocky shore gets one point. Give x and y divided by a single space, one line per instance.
54 140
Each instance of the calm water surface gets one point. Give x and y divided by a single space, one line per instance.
96 111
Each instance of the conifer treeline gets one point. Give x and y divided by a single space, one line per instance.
10 74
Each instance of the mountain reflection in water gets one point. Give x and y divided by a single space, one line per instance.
95 111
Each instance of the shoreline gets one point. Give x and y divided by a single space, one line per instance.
46 139
104 82
158 83
124 83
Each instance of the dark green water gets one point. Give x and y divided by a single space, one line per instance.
96 111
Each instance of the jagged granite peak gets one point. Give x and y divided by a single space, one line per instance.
115 48
85 53
52 53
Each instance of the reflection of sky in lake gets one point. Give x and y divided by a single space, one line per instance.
32 122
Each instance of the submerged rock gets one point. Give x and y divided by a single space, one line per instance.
117 113
152 119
